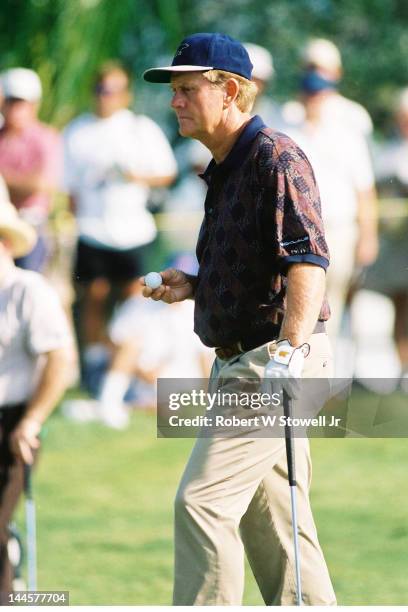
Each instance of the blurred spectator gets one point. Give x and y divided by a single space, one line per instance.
149 341
322 65
340 158
30 157
262 74
112 159
389 275
34 338
129 374
161 346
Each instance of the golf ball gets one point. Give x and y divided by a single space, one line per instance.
153 280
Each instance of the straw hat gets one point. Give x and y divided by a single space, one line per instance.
21 235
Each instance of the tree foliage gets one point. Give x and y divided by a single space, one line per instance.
65 40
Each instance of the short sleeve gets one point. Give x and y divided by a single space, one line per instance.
47 325
292 209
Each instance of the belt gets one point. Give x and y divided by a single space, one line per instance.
242 346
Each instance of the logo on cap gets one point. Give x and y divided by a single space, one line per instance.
182 48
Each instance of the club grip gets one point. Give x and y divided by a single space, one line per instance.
289 440
28 489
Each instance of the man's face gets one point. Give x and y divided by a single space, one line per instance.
112 94
19 114
197 103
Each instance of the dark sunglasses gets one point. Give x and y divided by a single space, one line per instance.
102 90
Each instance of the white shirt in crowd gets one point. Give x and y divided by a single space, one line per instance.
348 112
32 322
164 333
337 110
138 320
111 210
342 165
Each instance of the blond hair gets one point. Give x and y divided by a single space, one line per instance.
247 89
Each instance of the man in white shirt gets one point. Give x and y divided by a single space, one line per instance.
112 160
34 345
333 133
323 57
321 63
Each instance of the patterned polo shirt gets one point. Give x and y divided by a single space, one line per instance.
262 213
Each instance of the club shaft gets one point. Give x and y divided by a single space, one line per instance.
31 530
31 545
296 545
290 457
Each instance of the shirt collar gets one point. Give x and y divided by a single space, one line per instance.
240 149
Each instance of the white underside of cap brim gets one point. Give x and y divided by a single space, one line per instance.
172 69
185 68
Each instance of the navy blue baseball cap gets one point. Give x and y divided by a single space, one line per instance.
205 51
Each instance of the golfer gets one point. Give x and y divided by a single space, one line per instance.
259 289
34 338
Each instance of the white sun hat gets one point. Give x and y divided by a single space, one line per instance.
21 83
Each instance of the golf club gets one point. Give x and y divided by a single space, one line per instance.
30 530
290 457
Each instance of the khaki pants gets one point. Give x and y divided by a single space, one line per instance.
234 495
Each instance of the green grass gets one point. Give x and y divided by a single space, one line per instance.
104 506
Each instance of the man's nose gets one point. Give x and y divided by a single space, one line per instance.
177 100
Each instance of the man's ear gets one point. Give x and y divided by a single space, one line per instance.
231 92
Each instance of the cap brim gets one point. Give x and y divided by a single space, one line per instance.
164 73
